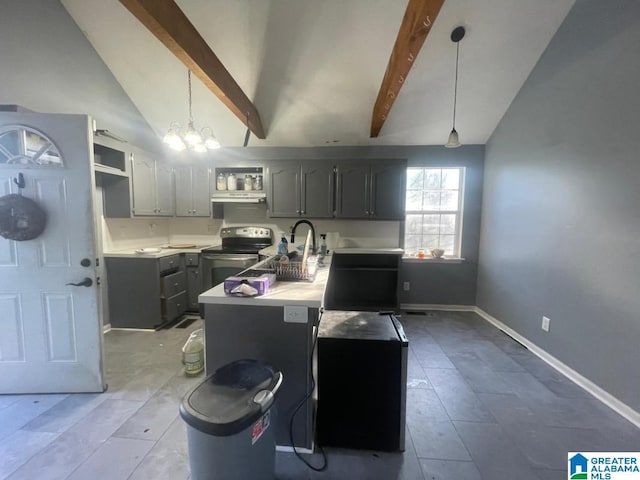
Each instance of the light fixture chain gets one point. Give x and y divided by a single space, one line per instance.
189 77
455 90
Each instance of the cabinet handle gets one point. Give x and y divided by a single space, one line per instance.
175 284
366 212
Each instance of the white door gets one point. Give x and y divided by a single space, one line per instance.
50 331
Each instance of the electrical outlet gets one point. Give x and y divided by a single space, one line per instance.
295 314
407 286
545 323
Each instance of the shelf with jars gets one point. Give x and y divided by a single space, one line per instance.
238 184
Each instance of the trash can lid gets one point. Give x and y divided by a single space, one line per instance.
232 398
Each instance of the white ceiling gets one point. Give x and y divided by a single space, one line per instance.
313 68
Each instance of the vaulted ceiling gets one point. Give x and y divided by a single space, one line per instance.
313 68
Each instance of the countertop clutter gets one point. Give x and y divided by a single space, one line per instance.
306 294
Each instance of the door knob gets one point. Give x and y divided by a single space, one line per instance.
87 282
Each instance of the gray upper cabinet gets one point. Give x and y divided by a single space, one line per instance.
372 190
192 191
388 191
164 189
112 172
283 190
316 194
300 189
353 187
152 186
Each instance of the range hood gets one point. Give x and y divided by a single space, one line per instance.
239 196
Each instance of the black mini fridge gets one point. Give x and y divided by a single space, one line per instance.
362 381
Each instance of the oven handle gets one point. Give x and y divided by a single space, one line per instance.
233 259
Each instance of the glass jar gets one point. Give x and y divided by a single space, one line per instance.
221 182
421 253
257 184
248 182
232 182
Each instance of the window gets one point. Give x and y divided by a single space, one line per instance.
434 210
27 146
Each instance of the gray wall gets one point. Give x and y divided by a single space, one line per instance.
47 65
450 284
561 210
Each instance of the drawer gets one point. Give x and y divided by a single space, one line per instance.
173 284
169 263
174 306
191 259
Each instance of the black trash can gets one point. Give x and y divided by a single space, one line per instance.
231 422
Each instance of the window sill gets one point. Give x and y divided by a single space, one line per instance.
432 260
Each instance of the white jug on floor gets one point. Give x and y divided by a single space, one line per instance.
193 353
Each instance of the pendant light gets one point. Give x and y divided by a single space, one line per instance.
192 139
456 35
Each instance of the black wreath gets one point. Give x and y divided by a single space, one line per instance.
21 218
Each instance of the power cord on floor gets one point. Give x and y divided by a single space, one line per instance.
325 461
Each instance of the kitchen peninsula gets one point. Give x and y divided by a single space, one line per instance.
277 328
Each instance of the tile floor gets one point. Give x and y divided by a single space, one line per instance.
479 407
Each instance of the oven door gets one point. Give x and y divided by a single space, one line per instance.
218 266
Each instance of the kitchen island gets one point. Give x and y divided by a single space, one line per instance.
277 328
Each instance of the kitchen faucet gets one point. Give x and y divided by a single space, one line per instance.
313 234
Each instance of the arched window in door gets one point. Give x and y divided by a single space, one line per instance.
22 145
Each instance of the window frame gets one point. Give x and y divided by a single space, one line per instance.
459 212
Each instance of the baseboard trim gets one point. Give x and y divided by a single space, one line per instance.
605 397
132 329
434 306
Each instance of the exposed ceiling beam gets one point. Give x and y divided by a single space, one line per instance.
414 29
171 26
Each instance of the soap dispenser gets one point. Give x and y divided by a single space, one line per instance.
283 246
323 244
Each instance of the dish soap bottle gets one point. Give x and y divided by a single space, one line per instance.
323 244
283 246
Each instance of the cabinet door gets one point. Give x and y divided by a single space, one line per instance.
352 191
164 189
388 185
317 189
143 173
284 189
200 186
183 191
194 287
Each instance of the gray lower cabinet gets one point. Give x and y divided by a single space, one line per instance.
300 189
194 280
192 191
145 292
363 282
152 185
371 190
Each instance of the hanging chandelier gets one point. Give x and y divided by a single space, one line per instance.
191 139
456 36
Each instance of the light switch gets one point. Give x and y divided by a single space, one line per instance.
296 314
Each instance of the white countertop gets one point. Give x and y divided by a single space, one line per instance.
282 293
164 252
